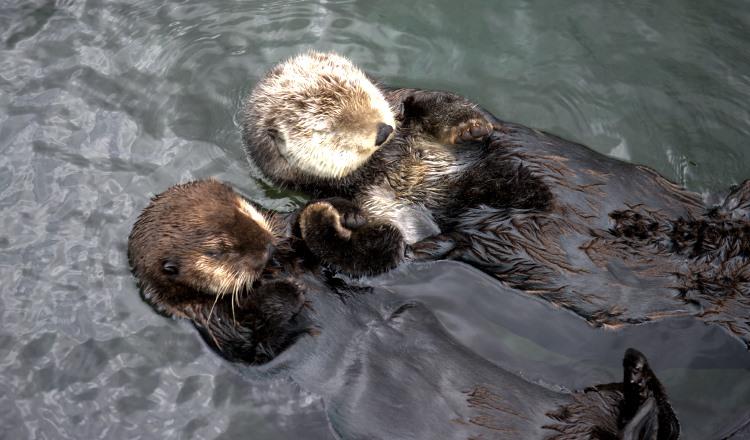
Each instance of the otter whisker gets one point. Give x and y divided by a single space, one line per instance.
234 318
212 309
211 333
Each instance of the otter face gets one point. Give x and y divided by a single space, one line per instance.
199 239
322 114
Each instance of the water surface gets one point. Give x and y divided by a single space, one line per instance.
104 103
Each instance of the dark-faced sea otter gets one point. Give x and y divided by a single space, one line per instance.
384 365
614 242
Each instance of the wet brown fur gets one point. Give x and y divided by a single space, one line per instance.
200 251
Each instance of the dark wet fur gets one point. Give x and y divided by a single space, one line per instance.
637 408
553 218
262 325
616 243
373 247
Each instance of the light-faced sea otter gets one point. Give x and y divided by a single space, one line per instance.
384 365
614 242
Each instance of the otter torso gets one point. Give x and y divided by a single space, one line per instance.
384 365
398 374
616 243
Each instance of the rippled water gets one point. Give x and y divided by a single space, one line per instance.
103 103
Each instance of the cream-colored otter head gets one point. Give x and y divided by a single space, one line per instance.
316 115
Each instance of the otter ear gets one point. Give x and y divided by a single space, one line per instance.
170 267
404 107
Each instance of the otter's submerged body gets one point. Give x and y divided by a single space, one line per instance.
386 369
258 296
616 242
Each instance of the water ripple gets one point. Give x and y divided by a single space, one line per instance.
104 103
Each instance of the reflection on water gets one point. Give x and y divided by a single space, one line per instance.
103 103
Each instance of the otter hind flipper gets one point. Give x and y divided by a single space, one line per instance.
644 425
645 412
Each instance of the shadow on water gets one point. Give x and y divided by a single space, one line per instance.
104 103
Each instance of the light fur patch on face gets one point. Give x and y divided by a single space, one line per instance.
255 216
323 156
220 280
304 97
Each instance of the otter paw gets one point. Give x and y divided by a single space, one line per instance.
475 129
352 216
353 219
280 301
323 219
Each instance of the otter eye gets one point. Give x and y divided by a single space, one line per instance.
170 268
213 254
384 130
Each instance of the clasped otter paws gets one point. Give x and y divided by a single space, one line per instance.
333 216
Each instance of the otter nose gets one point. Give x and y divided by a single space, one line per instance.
384 130
261 258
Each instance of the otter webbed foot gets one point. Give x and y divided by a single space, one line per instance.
339 233
645 412
635 409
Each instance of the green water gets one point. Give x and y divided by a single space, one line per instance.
104 103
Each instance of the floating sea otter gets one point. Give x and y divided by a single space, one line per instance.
614 242
384 365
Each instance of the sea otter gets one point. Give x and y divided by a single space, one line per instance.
317 123
544 215
201 241
384 365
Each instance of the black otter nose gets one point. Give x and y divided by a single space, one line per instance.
384 130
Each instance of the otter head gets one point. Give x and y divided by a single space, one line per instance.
196 242
315 116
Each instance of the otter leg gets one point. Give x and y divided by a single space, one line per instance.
645 412
340 235
446 117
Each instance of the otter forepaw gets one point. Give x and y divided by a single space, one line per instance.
475 129
353 220
322 220
280 301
